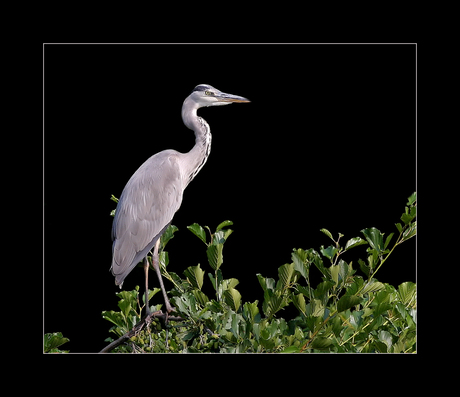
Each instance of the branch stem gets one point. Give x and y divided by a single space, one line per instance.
146 320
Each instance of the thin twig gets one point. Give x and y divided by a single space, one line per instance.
314 334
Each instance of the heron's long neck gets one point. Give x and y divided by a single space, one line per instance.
196 158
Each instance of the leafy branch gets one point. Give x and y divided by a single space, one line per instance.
345 312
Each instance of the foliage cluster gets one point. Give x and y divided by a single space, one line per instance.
52 341
345 312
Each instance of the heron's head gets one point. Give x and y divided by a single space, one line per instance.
206 95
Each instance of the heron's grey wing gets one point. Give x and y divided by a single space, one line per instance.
147 205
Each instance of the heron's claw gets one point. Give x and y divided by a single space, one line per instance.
169 310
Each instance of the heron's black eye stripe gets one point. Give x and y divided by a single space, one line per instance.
200 88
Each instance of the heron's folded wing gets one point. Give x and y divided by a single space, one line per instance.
148 203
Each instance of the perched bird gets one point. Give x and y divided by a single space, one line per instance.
154 193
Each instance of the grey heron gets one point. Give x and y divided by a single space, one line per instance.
154 193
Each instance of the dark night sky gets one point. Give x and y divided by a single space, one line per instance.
328 141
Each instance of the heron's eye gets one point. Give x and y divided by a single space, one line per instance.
209 93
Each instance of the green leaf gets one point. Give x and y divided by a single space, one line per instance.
321 343
315 308
347 302
337 325
224 224
285 274
327 233
381 308
386 338
186 303
408 217
385 295
412 198
299 303
152 292
164 260
410 232
372 286
314 323
364 268
221 236
372 258
344 270
314 256
115 318
354 242
272 303
375 238
195 276
251 310
301 264
355 286
198 231
215 256
200 297
291 349
335 273
229 283
125 307
213 280
307 291
329 252
321 291
356 319
266 283
168 235
407 293
387 241
232 298
235 328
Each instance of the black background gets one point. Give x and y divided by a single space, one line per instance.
328 141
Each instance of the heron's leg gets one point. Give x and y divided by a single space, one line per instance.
146 271
156 266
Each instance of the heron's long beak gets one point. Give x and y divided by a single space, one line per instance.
223 97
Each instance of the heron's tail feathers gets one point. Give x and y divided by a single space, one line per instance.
119 278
